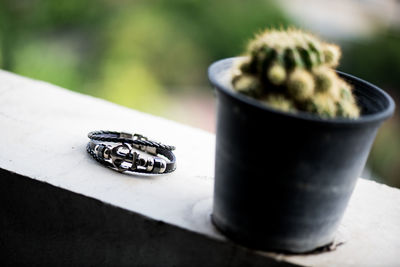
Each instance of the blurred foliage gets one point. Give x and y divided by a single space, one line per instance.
384 157
383 54
130 52
140 53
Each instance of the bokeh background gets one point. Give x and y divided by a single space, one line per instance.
153 55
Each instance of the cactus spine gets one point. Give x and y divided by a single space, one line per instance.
294 71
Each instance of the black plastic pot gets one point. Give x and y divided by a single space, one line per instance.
283 181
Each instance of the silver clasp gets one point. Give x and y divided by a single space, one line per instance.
149 149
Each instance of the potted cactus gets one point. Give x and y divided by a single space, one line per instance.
293 136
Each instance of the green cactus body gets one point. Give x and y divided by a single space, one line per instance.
323 105
276 74
294 71
279 101
300 85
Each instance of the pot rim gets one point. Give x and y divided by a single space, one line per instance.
225 64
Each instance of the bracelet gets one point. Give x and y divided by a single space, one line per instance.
128 138
122 156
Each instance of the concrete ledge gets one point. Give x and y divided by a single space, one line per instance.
61 207
46 225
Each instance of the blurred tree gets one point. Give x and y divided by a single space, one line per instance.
385 154
382 54
130 52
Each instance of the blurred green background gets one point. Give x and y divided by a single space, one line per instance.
153 55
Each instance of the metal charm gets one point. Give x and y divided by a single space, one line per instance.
124 158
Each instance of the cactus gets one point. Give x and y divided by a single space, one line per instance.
294 71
